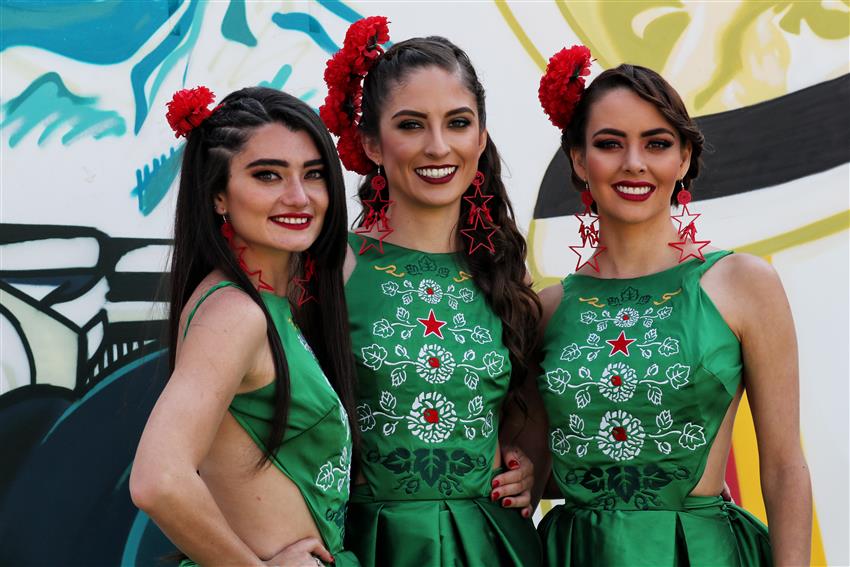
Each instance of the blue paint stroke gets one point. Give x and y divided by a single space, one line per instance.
308 95
144 68
279 79
299 21
134 539
340 9
235 24
48 100
154 181
90 31
117 375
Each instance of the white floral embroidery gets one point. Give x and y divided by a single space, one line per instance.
339 474
618 382
435 364
432 417
626 317
620 436
430 291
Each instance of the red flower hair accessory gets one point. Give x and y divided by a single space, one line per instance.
188 108
562 85
344 76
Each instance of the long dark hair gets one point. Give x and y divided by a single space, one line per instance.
651 87
199 247
502 276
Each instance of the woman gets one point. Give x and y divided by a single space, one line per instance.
245 458
649 345
441 317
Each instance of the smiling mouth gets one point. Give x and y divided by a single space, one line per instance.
436 175
634 192
297 221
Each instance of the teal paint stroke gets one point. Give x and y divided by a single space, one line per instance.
235 25
161 55
299 21
90 31
340 9
308 95
134 539
279 79
47 100
154 181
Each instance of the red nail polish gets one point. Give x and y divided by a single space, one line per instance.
506 502
525 512
495 483
494 496
513 464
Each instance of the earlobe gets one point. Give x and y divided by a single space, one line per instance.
373 149
220 203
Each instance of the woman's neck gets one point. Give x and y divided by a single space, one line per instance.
429 229
634 250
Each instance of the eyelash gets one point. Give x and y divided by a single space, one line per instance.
454 123
652 144
266 175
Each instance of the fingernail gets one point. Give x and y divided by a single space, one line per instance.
494 496
525 512
513 464
506 502
495 483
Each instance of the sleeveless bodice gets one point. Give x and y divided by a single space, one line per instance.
316 449
638 375
432 374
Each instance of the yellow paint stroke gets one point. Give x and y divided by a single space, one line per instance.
538 280
591 300
667 297
577 29
814 231
520 34
391 270
463 277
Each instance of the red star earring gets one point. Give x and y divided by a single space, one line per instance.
239 251
376 225
590 248
688 246
303 284
479 219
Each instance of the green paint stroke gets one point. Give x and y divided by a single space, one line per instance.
235 24
47 100
155 179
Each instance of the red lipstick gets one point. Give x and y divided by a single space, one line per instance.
293 221
634 190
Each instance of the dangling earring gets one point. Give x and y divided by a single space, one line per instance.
226 228
479 217
590 249
303 284
376 225
687 245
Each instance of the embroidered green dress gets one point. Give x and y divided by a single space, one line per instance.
432 375
638 375
316 449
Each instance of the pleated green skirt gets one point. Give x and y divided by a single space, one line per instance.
440 533
706 532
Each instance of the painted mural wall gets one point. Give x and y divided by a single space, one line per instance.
88 185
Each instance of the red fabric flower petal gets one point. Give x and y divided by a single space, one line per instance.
562 85
188 108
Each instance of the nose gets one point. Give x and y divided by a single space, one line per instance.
634 161
437 146
294 194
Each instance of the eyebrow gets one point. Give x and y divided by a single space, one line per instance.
282 163
417 114
646 134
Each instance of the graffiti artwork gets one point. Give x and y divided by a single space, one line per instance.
89 170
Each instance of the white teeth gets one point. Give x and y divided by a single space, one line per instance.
291 220
633 190
436 173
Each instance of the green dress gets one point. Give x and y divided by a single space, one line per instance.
638 375
432 376
316 450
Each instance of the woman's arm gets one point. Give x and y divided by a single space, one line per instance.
771 378
224 344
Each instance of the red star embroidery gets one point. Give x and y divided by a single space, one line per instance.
376 231
488 234
478 205
685 219
620 344
587 254
432 325
690 248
